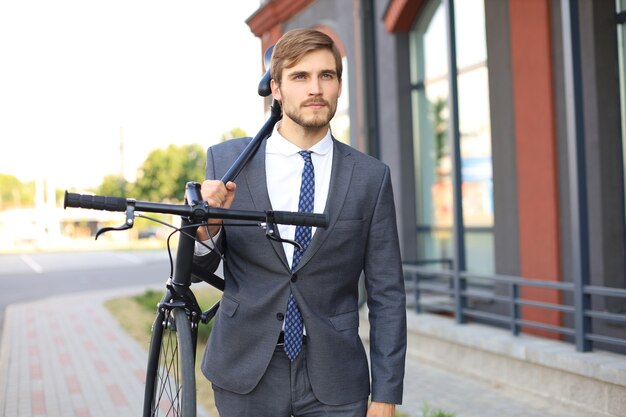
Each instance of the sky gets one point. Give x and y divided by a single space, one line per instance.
80 77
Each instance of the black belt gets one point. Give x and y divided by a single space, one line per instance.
281 339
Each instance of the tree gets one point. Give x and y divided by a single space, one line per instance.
115 186
163 175
236 132
14 193
442 146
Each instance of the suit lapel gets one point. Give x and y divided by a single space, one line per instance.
254 172
257 186
341 175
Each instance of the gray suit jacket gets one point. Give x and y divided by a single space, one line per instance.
361 236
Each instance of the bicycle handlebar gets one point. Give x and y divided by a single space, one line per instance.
200 211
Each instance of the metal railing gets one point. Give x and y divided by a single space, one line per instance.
439 290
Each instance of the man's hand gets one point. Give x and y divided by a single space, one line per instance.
381 410
217 194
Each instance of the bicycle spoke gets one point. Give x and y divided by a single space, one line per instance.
169 381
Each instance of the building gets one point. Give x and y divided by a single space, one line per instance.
504 123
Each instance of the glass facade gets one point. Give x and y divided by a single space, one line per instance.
429 79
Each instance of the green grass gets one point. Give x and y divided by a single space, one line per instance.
427 411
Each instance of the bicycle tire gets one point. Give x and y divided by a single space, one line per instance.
170 377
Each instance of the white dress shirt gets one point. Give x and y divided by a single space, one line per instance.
283 170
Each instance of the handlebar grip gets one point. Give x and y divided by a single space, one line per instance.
301 219
96 202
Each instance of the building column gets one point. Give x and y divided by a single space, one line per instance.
536 155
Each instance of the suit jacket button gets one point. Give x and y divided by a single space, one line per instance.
280 316
294 277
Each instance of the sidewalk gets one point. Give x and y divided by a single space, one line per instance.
68 357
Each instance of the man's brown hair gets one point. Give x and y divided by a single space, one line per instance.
296 43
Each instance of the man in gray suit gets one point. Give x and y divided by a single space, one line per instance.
285 339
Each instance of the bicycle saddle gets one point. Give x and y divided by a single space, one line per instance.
264 85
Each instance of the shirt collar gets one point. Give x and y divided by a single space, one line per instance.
276 143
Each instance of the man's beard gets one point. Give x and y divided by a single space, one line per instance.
317 121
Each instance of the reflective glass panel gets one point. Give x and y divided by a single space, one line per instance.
429 72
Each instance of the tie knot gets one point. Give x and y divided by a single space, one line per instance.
306 155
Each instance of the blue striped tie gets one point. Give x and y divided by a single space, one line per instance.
293 318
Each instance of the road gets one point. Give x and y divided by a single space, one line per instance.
29 277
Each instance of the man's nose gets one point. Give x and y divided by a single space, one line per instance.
315 87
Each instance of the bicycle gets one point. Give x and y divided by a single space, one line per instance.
170 375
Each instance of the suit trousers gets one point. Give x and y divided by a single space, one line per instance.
283 391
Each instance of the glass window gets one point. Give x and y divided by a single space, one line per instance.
340 124
429 77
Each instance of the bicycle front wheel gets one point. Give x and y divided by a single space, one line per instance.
170 378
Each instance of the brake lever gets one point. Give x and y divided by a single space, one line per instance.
130 221
270 233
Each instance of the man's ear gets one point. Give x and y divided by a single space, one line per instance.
275 90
